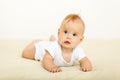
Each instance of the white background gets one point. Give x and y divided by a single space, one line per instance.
41 18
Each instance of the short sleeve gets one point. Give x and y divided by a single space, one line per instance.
51 49
79 53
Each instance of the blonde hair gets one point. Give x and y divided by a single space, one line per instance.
72 17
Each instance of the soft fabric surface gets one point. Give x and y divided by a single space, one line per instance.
104 54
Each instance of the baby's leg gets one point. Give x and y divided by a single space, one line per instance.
29 51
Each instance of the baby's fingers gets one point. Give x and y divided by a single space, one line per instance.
55 69
85 69
58 69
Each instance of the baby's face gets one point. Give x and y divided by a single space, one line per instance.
71 34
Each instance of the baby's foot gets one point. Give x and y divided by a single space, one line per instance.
52 38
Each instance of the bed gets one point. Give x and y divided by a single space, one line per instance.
104 54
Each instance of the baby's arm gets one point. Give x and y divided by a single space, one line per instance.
85 64
48 63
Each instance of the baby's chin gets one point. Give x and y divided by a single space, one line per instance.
67 46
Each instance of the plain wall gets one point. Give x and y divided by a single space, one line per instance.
41 18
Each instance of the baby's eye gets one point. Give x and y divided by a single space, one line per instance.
74 34
65 32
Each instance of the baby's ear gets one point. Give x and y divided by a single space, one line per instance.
81 39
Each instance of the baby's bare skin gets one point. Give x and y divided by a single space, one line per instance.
85 64
70 35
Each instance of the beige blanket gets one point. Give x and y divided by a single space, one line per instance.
104 54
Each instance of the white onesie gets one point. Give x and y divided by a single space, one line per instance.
55 51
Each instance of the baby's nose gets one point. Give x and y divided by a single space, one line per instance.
69 36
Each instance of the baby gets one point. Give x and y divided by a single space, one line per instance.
64 51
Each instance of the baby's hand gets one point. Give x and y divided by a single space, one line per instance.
85 65
55 69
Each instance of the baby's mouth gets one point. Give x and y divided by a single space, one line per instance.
67 42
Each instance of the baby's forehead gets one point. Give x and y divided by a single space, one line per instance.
72 29
74 25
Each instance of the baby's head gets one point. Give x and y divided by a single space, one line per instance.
71 31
